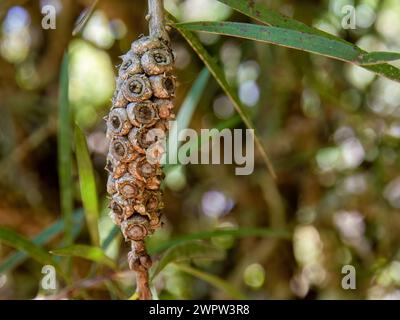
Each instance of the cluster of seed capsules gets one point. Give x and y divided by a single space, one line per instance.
142 102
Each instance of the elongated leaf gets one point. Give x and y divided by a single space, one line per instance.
65 152
262 14
186 111
94 254
372 58
187 251
83 18
15 240
87 186
291 39
44 237
213 280
218 74
237 233
110 237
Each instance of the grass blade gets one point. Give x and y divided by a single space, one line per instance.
90 253
186 111
65 152
87 185
44 237
187 251
218 74
15 240
237 233
262 14
213 280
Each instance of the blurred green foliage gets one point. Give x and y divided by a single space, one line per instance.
331 131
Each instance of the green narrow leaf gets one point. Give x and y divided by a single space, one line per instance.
262 14
90 253
42 238
87 185
278 36
186 111
372 58
15 240
65 152
187 251
213 280
110 237
84 17
238 233
218 74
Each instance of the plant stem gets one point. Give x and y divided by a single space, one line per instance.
156 22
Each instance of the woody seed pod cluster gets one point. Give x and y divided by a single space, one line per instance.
141 103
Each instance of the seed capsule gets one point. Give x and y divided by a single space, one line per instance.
118 122
115 168
119 100
163 86
153 183
142 170
130 65
142 113
111 189
157 61
122 208
153 201
129 187
164 107
137 88
136 228
143 44
122 150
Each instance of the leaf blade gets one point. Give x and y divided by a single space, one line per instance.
237 233
90 253
219 76
42 238
17 241
87 186
187 251
64 150
213 280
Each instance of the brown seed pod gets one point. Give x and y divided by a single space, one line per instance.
163 86
116 219
115 168
137 88
130 65
111 188
119 100
143 44
129 187
122 150
153 183
142 113
136 228
149 137
164 107
118 122
141 169
122 208
157 61
153 201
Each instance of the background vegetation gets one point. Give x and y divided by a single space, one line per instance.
330 128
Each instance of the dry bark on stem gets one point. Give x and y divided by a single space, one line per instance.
156 20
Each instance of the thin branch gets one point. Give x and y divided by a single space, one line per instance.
156 20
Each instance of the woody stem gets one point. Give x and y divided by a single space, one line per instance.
156 22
